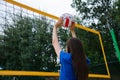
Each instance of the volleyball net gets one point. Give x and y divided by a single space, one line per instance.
36 58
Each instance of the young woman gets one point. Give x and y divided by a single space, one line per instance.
73 60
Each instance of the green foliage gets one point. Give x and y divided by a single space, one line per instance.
2 56
100 13
27 45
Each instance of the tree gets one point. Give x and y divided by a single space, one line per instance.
116 19
99 13
27 45
2 56
28 41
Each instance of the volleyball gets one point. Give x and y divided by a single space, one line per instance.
68 20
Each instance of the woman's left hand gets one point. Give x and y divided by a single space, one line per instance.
59 22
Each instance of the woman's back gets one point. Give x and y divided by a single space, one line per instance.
79 62
66 70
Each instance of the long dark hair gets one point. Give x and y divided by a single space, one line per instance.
74 46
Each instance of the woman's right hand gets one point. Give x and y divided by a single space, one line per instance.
72 27
72 30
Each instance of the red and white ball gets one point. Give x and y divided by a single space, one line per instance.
68 19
